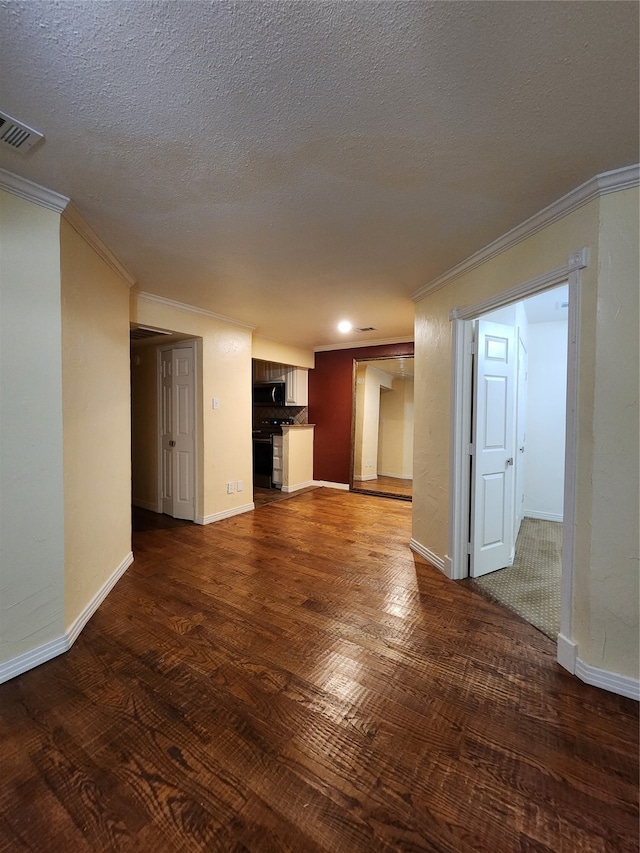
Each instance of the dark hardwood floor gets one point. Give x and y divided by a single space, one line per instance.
296 679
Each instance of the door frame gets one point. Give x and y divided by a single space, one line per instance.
192 344
457 562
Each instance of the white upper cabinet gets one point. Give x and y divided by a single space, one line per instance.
296 380
297 386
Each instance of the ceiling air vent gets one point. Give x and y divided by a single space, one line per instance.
16 135
366 329
143 332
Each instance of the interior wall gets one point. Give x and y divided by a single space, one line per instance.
614 596
330 406
395 448
368 440
31 499
268 350
224 366
605 582
96 420
546 420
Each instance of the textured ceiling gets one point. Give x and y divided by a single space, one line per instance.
291 164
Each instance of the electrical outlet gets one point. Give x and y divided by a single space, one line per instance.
240 486
215 403
229 488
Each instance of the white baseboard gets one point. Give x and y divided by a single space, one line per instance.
567 653
623 685
28 660
395 476
298 486
365 479
226 513
429 556
331 485
543 516
568 658
150 505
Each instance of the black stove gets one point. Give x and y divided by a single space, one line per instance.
270 426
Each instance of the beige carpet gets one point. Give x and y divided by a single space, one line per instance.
531 587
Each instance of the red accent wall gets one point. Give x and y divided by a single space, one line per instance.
330 405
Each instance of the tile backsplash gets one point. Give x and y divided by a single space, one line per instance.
300 414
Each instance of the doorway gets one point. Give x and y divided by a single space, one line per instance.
382 427
456 563
164 405
517 507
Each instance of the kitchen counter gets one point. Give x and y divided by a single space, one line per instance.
297 456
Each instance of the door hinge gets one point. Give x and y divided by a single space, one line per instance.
472 348
471 449
469 548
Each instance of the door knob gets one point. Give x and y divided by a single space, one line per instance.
509 461
172 444
522 449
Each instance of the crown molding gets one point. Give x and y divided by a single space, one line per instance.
602 184
191 309
75 219
403 339
16 185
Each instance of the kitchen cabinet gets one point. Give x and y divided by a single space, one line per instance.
297 386
296 380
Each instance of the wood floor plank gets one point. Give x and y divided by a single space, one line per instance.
296 679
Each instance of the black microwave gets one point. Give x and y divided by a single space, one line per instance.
269 394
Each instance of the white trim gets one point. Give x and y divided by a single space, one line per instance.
80 621
602 184
403 339
365 479
298 486
41 654
152 507
544 516
623 685
567 653
328 484
82 227
191 309
395 476
226 513
516 294
30 191
568 658
428 555
459 475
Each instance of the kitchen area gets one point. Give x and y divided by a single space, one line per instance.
281 432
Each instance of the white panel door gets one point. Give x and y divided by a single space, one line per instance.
177 432
492 460
183 433
166 431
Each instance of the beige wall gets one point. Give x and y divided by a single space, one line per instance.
297 454
613 633
31 496
606 416
96 420
395 444
267 350
224 365
368 420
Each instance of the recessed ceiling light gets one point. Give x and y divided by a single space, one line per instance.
344 326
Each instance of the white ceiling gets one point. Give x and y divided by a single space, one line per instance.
291 164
